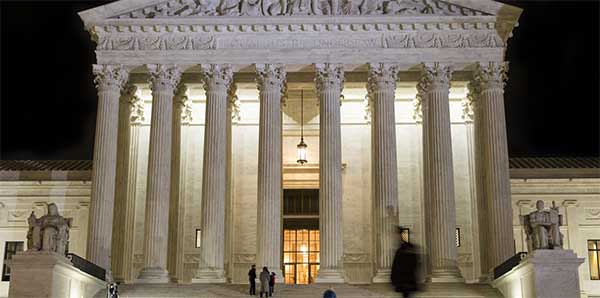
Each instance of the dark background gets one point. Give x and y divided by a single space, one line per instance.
48 100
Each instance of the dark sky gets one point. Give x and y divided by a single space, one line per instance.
48 101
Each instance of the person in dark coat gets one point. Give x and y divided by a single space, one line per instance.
404 269
252 280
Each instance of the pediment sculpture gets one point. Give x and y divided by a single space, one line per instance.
255 8
49 232
543 228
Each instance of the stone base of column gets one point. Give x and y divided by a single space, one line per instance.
382 276
448 275
153 276
207 276
330 277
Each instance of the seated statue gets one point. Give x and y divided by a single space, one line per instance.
49 232
543 228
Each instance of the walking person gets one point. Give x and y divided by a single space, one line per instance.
264 278
252 280
272 284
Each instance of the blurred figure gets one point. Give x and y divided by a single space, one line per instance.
264 278
272 284
252 280
404 268
113 291
329 294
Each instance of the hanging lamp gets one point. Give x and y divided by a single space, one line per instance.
302 146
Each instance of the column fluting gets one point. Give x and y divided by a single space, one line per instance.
217 80
163 81
109 80
434 89
329 81
488 92
381 87
270 79
130 117
177 227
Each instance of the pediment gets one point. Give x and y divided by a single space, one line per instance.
153 9
254 8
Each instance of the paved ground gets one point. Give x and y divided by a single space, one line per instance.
311 291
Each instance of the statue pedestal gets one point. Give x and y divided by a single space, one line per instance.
42 274
543 274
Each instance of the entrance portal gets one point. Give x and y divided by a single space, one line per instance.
301 235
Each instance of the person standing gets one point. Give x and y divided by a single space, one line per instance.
404 268
252 280
272 284
264 281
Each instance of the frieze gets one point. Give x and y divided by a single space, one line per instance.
244 258
201 41
356 258
592 213
18 215
173 42
215 8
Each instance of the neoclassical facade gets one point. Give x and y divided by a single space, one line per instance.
196 123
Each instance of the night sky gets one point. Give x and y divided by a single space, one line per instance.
48 100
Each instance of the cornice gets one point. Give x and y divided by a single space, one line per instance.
296 24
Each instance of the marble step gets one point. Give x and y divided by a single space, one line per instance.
308 291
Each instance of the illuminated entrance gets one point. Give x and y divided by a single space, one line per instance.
301 235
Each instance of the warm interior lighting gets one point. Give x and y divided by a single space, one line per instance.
302 159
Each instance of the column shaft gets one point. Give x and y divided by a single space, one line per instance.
177 230
434 88
329 82
494 161
381 86
109 80
217 79
270 81
126 179
164 79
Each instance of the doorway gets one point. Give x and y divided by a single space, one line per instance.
301 244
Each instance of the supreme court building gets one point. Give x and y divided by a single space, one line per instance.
197 172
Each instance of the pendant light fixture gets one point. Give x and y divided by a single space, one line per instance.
302 146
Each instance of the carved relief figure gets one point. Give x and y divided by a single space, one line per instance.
543 228
49 232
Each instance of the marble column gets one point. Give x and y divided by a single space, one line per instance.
329 81
130 118
232 117
434 89
270 79
163 81
217 80
109 81
381 87
182 115
488 87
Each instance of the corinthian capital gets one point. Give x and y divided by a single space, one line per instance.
216 76
135 104
381 76
163 76
434 76
233 103
270 76
490 76
109 76
329 76
182 103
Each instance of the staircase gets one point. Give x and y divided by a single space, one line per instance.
303 291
